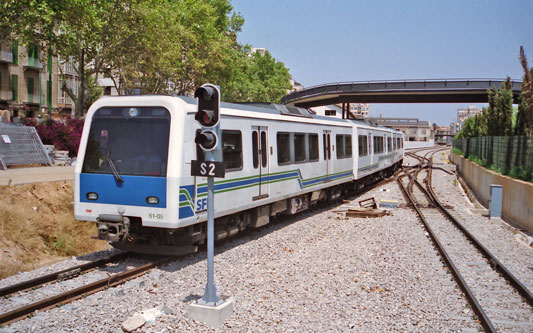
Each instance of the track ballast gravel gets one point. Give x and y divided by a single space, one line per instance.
318 271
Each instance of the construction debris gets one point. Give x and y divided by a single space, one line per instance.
366 212
389 204
368 203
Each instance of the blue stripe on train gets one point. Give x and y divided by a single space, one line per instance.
132 192
245 182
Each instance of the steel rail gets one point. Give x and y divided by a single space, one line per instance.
68 296
67 273
71 295
478 310
521 288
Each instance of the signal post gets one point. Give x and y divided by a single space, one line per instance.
212 309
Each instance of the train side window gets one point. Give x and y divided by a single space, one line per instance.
313 147
389 144
255 150
339 140
232 150
325 147
264 150
363 145
283 142
378 144
348 145
299 147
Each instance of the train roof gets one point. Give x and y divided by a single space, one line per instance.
274 109
278 109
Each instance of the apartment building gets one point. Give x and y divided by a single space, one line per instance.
29 88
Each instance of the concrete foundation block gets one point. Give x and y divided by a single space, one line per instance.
212 316
480 211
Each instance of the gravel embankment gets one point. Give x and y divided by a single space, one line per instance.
318 271
500 239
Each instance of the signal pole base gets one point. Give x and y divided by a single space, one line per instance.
213 315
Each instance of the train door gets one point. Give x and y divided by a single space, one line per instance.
260 159
326 136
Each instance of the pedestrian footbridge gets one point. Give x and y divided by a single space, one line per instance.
399 91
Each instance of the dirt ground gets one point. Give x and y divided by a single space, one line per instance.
37 226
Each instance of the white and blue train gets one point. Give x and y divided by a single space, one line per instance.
133 176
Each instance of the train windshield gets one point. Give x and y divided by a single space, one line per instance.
128 141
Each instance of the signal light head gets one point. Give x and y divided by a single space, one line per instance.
208 105
206 118
205 92
207 140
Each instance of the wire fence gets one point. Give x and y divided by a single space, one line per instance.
510 155
21 145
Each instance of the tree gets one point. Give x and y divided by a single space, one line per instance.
522 121
481 123
504 105
492 114
157 46
258 78
172 47
525 108
75 30
500 110
189 43
468 130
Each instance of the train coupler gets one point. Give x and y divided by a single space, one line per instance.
112 228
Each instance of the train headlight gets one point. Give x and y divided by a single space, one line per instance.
152 200
134 112
92 196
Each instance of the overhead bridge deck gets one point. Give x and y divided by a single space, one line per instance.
401 91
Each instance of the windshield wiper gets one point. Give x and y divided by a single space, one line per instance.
113 167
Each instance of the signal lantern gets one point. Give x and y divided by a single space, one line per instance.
207 140
208 116
208 105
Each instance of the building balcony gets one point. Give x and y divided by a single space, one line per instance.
33 63
64 100
6 95
68 69
32 99
6 57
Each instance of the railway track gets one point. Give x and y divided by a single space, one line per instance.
75 293
499 299
70 295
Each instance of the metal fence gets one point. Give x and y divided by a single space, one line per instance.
21 145
508 154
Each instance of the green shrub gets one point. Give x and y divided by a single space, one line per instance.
456 151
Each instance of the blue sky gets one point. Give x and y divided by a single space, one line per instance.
324 41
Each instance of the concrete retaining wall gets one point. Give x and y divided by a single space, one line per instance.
517 207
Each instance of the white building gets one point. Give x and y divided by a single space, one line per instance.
327 110
412 128
464 114
360 109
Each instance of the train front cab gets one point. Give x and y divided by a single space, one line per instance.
124 158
